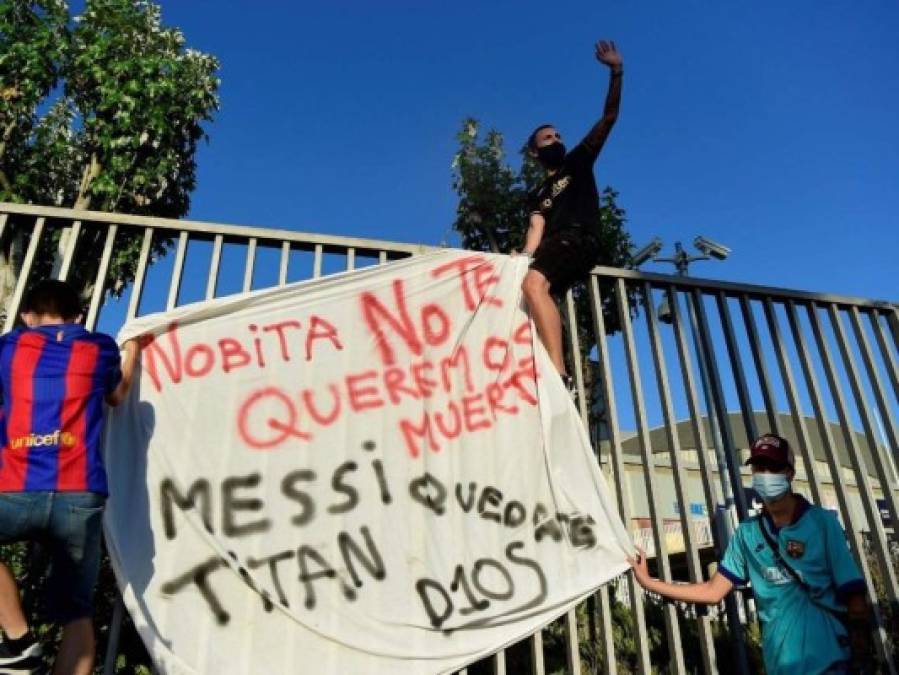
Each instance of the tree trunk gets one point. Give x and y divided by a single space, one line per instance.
7 132
10 262
91 171
494 247
83 203
10 254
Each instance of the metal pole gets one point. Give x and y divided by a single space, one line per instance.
616 463
724 518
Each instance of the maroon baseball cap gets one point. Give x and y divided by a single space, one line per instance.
771 448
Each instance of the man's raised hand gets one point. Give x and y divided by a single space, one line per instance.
607 53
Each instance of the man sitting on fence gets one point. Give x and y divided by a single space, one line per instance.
803 576
563 234
54 376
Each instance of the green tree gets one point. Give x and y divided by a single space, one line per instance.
121 133
103 112
33 35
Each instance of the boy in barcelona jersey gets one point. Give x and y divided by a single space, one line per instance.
810 594
54 378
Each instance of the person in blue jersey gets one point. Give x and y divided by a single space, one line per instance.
810 595
54 378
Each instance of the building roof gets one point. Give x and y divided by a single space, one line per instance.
658 437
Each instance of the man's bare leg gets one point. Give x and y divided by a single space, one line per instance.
76 650
12 618
546 316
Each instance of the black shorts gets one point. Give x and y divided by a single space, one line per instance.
565 257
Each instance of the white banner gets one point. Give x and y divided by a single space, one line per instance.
374 472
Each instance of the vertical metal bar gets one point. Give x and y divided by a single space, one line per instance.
499 662
662 561
835 463
883 405
806 448
4 217
736 365
538 665
69 255
702 443
212 280
831 454
716 437
140 274
115 632
872 514
732 482
285 260
706 641
855 457
893 323
577 365
729 474
760 366
886 352
249 265
722 463
622 489
864 410
317 262
578 368
15 302
382 255
572 651
175 284
350 258
607 642
100 282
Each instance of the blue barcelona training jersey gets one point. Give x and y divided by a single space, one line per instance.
798 635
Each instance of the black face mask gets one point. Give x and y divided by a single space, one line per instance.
551 156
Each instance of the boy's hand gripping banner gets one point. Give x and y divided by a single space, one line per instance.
375 472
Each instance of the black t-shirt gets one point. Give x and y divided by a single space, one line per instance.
569 198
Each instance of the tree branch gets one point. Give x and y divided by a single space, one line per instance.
488 233
91 171
7 132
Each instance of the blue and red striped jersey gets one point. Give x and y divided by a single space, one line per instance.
53 380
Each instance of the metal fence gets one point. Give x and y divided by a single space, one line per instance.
674 375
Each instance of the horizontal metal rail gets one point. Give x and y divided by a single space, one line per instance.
95 218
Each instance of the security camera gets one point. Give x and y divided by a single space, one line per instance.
664 313
712 248
647 252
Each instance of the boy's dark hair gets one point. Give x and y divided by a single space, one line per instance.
532 139
53 297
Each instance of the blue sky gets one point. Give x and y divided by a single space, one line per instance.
769 126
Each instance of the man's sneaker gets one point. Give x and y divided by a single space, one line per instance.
26 660
570 386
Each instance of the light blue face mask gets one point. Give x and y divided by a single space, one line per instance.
770 486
